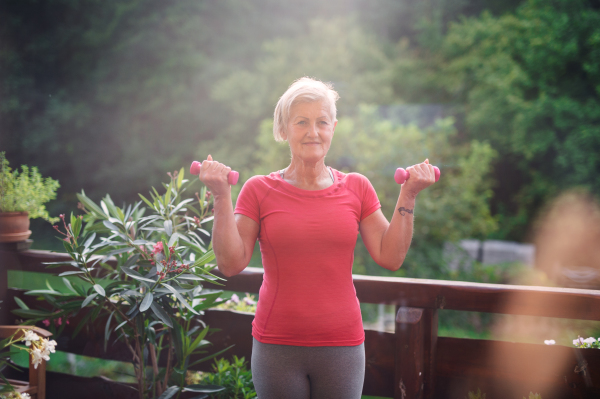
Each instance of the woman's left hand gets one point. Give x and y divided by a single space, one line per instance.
422 176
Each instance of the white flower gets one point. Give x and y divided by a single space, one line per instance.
37 357
578 341
248 301
48 346
549 342
25 396
589 341
29 337
235 298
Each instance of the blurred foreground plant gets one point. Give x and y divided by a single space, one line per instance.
150 293
37 347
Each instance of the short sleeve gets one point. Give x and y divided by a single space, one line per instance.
369 201
247 203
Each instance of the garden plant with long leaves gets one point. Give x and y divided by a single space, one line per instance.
142 272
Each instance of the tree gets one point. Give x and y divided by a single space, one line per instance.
528 82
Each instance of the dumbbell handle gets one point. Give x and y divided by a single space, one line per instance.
232 177
402 175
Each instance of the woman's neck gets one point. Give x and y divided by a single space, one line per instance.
308 176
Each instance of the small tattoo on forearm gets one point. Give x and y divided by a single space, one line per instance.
403 211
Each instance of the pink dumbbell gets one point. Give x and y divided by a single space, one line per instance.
232 177
402 175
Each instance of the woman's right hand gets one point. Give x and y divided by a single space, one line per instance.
214 176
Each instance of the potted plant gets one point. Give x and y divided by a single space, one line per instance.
22 197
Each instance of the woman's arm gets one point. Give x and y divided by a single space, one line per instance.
233 236
388 242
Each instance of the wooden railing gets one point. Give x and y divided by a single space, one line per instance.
411 363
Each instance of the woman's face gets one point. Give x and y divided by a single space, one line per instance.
310 130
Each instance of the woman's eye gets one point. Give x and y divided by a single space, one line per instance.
324 123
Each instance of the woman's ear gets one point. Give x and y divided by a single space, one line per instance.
283 135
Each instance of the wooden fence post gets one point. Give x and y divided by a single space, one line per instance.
4 311
416 339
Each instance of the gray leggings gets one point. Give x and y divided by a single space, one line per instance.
307 372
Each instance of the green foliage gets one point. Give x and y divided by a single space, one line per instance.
234 376
529 83
454 208
246 304
26 191
154 292
476 395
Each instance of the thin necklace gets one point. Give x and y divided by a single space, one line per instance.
281 172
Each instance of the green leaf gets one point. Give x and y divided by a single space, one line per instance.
161 314
107 329
209 388
120 325
197 341
89 204
69 285
180 297
89 299
75 225
89 240
168 193
191 277
136 275
131 261
180 205
70 273
20 303
168 227
99 289
31 313
180 178
82 323
38 292
210 356
111 226
204 259
168 394
147 202
173 239
146 302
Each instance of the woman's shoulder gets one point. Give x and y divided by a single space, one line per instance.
352 178
262 181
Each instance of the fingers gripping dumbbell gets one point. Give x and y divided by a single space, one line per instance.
402 175
232 177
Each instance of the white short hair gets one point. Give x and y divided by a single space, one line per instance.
302 90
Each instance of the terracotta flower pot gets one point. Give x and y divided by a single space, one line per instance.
14 226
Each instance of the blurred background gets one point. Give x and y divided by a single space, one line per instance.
504 96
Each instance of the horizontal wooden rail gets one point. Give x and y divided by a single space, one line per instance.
405 292
457 295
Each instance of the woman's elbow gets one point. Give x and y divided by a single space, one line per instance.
391 265
230 269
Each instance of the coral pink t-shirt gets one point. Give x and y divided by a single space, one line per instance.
307 241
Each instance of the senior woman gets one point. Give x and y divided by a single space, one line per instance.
308 337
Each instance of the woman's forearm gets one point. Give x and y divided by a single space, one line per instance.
398 236
227 241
